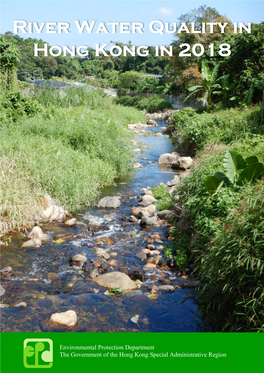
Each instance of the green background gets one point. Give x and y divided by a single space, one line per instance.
244 351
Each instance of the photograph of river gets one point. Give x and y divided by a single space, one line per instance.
131 166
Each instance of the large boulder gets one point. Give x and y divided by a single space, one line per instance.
68 318
183 163
168 159
115 280
37 233
54 213
109 202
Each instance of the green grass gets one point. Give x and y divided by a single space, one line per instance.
225 126
68 153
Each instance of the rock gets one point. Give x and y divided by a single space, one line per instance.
6 270
137 150
54 213
158 134
134 142
109 202
175 181
142 254
70 222
155 252
148 199
115 280
166 287
113 254
2 290
3 305
21 305
32 243
53 276
93 273
135 211
133 219
148 221
182 163
168 159
2 243
151 209
105 240
165 214
151 247
148 192
79 258
104 266
152 122
68 318
143 213
37 233
149 266
137 165
155 260
102 253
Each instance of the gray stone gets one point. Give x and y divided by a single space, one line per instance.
165 214
6 270
20 305
137 165
93 273
54 213
102 253
133 219
175 181
166 287
151 209
3 305
183 163
32 243
168 159
68 318
152 122
2 290
148 221
109 202
70 222
148 199
37 233
115 280
79 258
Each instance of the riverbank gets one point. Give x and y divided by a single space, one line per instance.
78 144
220 227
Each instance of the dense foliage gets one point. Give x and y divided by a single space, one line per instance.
151 104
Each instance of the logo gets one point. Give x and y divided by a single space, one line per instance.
38 353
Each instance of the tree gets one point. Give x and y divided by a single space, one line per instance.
245 65
8 59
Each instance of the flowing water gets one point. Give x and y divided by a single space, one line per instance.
47 282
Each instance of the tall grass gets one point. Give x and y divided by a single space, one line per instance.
68 153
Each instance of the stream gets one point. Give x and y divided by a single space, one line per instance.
46 281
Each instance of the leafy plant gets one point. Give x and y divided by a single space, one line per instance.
209 85
237 171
